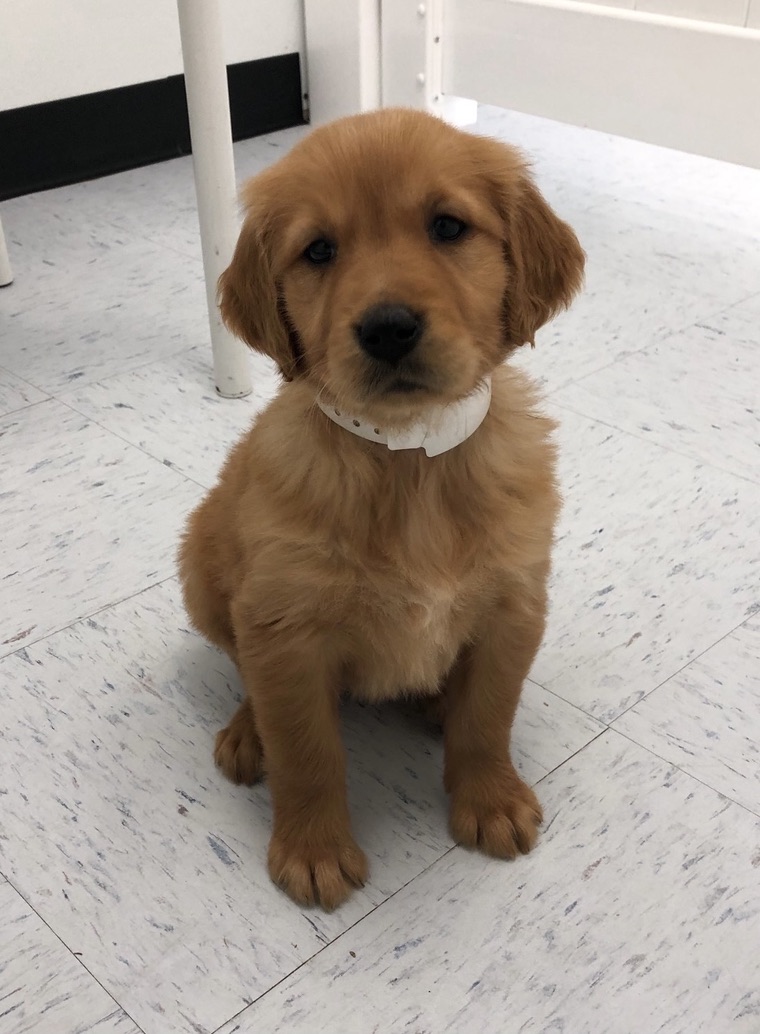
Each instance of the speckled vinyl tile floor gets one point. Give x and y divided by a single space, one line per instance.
133 891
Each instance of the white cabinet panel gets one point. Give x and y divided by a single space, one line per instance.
668 81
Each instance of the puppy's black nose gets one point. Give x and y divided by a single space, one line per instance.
389 332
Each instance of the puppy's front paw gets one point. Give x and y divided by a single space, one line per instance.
238 750
317 870
498 816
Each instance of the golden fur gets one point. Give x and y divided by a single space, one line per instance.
325 563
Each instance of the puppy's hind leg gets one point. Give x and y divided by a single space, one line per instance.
238 748
206 604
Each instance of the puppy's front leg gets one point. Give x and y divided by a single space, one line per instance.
293 683
491 807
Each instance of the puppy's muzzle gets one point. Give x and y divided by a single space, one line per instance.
389 332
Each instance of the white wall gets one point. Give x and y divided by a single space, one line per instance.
61 48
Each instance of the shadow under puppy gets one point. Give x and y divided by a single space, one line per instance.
385 526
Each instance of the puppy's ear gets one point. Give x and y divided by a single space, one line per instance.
249 302
543 254
547 264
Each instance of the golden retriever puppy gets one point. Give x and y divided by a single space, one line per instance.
385 526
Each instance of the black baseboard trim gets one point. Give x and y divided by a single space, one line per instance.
80 138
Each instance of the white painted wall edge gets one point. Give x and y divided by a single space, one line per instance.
51 49
343 48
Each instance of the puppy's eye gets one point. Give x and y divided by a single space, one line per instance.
319 252
447 228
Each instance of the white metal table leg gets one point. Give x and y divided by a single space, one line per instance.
6 273
214 168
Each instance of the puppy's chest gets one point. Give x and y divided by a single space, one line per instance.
431 614
408 634
418 591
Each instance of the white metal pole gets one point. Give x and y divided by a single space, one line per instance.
6 273
208 106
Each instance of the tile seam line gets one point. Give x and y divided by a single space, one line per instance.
692 660
76 957
665 761
149 455
435 861
15 376
609 724
59 394
681 329
380 905
688 775
602 732
376 908
28 405
657 445
86 617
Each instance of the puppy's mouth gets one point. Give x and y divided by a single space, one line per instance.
405 386
409 378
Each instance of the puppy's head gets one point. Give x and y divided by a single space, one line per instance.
394 261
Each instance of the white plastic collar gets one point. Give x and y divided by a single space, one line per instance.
444 428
